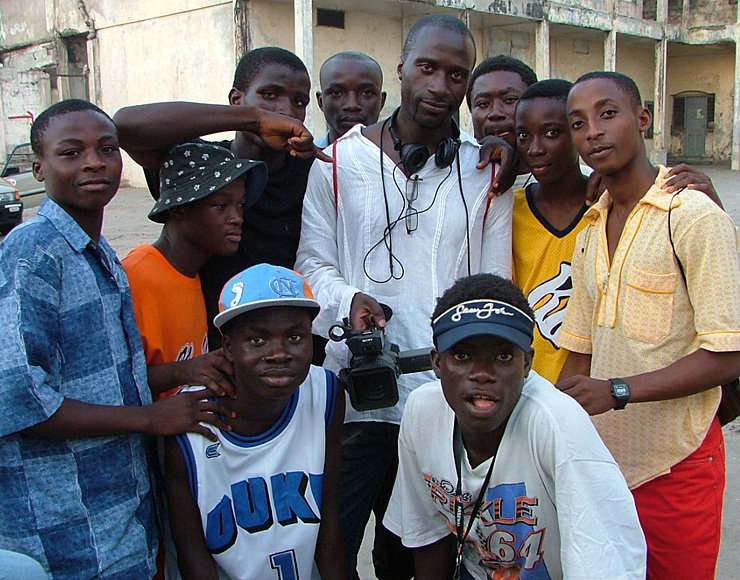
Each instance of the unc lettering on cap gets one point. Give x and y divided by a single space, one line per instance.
481 313
284 287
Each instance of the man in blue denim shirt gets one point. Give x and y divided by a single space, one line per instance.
76 492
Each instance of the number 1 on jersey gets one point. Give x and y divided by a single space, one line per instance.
285 564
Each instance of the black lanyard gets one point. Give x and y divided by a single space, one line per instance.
458 504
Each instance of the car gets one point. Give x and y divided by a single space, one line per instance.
17 170
11 207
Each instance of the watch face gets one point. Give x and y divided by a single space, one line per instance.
621 390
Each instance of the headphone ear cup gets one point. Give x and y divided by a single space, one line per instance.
413 157
446 152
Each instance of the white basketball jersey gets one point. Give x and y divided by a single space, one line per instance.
260 497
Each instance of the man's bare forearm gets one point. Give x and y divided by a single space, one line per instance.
147 132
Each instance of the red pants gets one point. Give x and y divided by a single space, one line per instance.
681 513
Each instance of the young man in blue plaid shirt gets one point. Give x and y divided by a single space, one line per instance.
77 495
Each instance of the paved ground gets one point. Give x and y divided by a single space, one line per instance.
126 226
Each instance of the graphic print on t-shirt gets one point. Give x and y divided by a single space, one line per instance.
506 538
548 300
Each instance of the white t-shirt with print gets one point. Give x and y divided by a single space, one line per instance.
557 505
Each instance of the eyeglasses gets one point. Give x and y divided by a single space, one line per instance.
411 194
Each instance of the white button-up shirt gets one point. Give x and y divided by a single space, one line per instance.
345 247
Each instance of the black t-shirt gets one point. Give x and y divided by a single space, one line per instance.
270 233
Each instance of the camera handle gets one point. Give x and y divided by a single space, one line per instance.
339 332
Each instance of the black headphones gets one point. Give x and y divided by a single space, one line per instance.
415 155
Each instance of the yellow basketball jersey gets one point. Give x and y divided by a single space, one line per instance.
541 266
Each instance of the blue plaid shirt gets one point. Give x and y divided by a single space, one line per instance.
81 507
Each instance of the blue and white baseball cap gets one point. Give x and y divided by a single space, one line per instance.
483 317
264 286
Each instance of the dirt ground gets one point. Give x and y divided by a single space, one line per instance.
126 226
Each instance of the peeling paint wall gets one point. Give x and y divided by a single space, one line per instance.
271 24
709 74
639 64
166 58
517 44
631 8
22 22
24 89
29 92
710 12
568 64
154 50
379 36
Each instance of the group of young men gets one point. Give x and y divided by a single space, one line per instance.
487 471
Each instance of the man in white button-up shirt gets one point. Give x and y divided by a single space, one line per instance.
381 229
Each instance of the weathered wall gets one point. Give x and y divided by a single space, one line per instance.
379 36
639 64
29 88
567 64
710 74
517 44
150 50
22 22
271 24
710 12
23 89
631 8
166 57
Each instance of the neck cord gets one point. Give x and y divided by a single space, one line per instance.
465 205
389 243
463 532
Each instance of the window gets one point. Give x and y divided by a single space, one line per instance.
679 112
330 18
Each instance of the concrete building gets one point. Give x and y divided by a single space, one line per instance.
683 54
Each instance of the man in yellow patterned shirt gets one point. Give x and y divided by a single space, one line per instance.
638 334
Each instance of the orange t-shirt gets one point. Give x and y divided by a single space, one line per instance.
169 308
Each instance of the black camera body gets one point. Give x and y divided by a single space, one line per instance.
375 366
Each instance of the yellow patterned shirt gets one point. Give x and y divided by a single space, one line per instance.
636 315
541 268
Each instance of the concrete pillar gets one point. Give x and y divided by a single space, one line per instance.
610 50
685 12
660 153
242 31
303 16
736 107
542 50
661 12
93 69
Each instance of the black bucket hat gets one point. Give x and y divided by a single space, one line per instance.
192 171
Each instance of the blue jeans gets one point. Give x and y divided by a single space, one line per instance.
369 465
14 566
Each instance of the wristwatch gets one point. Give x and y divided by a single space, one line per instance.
621 392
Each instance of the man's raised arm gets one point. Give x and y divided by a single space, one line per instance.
148 132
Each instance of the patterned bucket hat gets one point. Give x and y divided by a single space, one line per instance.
193 171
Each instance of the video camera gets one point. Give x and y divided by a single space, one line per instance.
375 366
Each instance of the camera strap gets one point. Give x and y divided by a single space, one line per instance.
459 506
